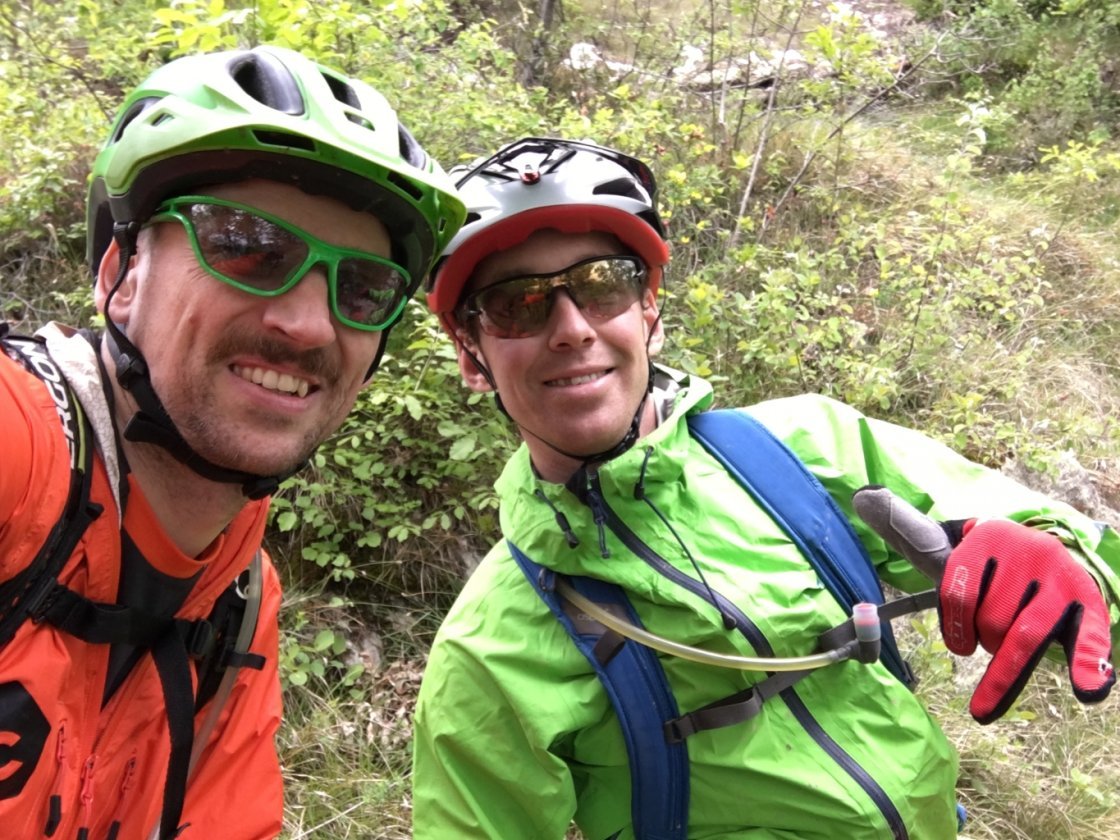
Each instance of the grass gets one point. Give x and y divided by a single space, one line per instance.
346 760
1047 769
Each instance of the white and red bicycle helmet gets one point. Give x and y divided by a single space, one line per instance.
543 183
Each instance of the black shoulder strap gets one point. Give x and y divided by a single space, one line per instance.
22 594
234 619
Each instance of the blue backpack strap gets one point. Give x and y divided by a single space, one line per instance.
780 483
639 692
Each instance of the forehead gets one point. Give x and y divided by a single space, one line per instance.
544 252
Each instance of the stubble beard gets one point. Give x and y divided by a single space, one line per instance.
271 451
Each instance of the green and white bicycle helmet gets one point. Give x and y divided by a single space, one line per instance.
270 113
263 113
537 183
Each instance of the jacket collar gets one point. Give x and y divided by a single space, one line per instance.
535 513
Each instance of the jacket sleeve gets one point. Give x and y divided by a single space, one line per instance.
482 768
847 450
237 789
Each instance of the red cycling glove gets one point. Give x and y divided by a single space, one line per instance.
1014 590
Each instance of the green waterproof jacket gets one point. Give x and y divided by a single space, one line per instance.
515 736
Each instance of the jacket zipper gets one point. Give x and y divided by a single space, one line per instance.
86 797
54 804
595 500
126 785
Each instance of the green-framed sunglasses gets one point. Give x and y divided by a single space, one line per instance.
260 254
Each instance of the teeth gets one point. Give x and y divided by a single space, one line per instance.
577 380
273 381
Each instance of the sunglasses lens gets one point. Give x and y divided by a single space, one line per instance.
368 293
520 307
244 247
514 308
606 288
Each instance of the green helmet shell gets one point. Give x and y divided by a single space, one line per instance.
270 113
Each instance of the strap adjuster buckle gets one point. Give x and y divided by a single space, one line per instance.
199 638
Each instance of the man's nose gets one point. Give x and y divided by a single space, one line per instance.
567 324
303 313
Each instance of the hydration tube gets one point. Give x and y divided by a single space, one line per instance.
904 528
866 619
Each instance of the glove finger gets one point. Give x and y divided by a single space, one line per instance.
1015 659
1088 647
1005 609
962 589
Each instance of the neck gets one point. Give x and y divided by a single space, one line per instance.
192 510
556 466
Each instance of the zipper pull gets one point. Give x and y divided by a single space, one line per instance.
54 805
126 786
598 512
561 520
86 796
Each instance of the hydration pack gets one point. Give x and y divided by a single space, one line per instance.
653 728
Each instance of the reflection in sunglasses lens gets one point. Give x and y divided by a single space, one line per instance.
266 256
245 247
602 288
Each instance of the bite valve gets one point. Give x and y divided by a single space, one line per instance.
869 633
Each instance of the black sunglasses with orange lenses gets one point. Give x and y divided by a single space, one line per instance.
519 307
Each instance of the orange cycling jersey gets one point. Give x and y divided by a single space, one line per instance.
71 763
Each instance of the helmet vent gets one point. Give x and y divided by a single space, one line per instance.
405 186
282 138
266 79
620 186
410 149
342 91
358 119
138 108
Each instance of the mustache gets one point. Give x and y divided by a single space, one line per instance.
316 362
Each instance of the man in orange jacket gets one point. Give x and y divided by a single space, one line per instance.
257 223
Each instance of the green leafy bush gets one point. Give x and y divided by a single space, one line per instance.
949 264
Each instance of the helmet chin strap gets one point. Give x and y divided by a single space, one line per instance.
627 440
601 457
152 424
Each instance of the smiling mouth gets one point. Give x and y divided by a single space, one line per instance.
270 380
576 380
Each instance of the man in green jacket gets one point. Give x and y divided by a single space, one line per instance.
550 294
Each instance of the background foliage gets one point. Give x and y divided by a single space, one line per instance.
911 208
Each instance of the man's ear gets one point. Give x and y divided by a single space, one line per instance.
106 277
652 318
469 357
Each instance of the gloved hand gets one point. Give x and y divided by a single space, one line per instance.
1015 589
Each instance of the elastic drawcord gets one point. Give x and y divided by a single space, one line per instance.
729 622
561 519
